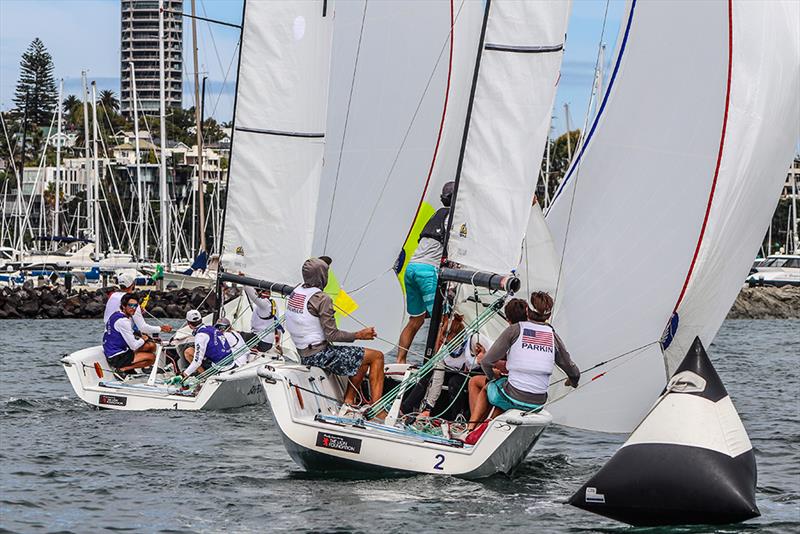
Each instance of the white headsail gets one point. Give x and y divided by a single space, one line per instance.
510 118
279 137
763 124
691 112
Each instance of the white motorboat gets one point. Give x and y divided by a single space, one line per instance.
778 270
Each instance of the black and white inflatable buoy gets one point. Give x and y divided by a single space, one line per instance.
688 462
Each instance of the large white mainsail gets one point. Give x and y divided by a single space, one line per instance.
630 213
390 82
279 137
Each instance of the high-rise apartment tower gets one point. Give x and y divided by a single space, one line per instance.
139 44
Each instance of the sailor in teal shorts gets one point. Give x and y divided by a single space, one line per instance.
422 272
531 350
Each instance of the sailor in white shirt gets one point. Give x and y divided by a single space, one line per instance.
127 283
263 318
234 339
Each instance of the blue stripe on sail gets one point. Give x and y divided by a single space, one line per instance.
577 159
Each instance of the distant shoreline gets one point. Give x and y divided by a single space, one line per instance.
54 303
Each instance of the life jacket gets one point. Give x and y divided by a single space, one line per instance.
532 357
218 347
258 323
436 227
461 358
305 329
113 342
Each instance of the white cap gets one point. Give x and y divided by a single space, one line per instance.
126 278
193 316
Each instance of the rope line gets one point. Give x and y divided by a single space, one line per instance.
388 398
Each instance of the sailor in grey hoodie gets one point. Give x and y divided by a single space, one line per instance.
311 323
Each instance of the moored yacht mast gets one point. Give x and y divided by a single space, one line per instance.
96 177
141 222
87 164
163 201
56 214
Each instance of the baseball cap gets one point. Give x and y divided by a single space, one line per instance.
193 316
126 279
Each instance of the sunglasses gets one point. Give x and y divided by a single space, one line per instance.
133 305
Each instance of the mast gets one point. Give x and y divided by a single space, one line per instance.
547 166
162 119
21 177
438 303
198 126
140 223
86 162
56 216
795 237
96 185
569 142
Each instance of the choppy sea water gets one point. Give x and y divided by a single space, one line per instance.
67 467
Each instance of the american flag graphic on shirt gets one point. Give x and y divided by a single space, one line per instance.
297 302
537 338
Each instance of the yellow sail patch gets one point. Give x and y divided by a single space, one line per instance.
426 211
343 303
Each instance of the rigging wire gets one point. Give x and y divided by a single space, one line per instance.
346 120
579 161
399 150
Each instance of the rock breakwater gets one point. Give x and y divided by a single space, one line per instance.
767 303
53 302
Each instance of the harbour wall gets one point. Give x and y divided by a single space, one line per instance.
53 302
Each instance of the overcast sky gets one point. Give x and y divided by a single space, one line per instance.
85 34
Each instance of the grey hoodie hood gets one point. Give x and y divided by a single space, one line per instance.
315 273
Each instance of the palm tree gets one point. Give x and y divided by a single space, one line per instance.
70 103
109 100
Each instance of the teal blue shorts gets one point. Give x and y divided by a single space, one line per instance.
498 397
420 280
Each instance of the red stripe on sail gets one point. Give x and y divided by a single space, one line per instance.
441 125
719 158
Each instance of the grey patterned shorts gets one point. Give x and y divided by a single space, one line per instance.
338 359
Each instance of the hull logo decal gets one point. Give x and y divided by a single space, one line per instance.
593 496
339 443
113 400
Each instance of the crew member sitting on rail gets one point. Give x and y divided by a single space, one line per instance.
122 349
210 345
530 348
263 318
127 283
235 340
310 321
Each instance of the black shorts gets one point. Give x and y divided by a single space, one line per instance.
261 346
123 359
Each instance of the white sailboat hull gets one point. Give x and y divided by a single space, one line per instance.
319 441
229 389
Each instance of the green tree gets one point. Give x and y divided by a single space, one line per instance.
70 103
560 151
36 85
109 100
